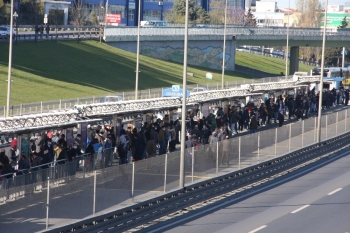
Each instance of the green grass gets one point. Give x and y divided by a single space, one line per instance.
67 69
264 63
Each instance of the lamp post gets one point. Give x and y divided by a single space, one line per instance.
224 49
321 78
287 40
138 52
15 15
10 65
183 110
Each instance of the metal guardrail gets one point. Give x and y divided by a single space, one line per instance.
252 31
59 105
146 179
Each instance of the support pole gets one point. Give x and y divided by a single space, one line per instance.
224 49
165 171
336 126
239 153
192 163
217 158
321 78
276 143
47 202
290 136
94 203
302 134
183 111
258 147
132 179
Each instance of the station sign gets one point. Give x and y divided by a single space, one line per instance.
174 91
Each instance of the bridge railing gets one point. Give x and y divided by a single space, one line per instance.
178 31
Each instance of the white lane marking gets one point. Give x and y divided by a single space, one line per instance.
301 208
240 198
258 229
337 190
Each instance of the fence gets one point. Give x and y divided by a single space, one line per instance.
98 191
60 105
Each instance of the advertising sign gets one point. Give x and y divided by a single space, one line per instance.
334 19
174 91
114 18
209 75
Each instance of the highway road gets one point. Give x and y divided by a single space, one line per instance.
317 202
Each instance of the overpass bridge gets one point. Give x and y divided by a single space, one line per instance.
205 44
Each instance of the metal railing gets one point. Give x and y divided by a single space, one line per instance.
120 186
179 31
59 105
260 51
57 169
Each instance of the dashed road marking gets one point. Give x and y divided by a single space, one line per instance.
258 229
301 208
337 190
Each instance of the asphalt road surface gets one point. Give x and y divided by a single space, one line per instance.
317 202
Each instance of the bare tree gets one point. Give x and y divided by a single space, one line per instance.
235 16
310 13
80 14
56 17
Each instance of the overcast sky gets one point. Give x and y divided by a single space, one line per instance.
284 3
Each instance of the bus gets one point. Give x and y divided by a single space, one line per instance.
154 23
333 77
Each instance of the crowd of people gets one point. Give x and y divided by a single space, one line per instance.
163 135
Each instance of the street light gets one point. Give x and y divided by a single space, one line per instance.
224 50
183 110
287 40
10 65
15 15
321 78
138 52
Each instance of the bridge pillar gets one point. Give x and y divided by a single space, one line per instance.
294 59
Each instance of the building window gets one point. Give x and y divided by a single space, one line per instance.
117 9
151 15
131 15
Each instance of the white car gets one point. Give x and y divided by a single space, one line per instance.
5 32
198 89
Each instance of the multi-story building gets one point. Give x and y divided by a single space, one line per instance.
267 15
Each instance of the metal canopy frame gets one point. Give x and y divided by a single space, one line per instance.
89 113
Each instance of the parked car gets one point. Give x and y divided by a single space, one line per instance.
198 89
5 32
111 99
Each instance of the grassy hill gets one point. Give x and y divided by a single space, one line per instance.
67 69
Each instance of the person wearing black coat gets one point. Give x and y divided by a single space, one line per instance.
123 154
280 118
253 124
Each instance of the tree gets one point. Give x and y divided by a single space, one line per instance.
80 14
344 23
234 15
249 19
310 13
56 17
196 14
94 19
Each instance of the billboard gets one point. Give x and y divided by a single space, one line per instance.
114 18
334 19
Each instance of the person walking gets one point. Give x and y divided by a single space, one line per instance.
225 150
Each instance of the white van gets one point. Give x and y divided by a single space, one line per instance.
154 23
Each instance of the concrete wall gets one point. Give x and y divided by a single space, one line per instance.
200 52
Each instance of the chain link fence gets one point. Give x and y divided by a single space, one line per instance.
88 186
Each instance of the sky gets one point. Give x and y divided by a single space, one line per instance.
284 3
